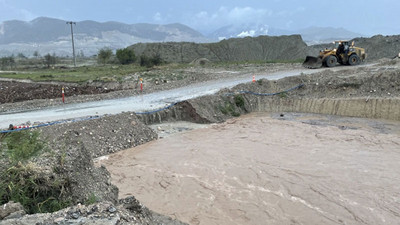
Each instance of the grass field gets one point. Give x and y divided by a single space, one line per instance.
89 70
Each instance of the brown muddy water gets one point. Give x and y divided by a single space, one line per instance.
268 169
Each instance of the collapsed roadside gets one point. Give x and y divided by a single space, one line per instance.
372 92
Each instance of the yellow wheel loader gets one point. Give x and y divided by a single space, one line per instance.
343 53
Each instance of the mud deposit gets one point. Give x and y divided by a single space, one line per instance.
269 169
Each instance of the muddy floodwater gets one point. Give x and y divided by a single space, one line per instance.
269 169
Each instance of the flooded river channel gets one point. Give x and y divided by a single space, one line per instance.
269 169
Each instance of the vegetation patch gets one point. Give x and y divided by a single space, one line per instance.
283 94
228 109
38 190
239 101
21 146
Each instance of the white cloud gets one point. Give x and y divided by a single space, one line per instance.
157 17
9 12
225 16
249 33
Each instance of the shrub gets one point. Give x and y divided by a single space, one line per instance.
104 55
239 101
150 61
126 56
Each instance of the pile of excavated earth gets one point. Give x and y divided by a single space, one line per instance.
371 91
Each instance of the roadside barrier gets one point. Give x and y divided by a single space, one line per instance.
19 128
62 94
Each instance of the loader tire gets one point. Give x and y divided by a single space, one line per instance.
330 61
354 60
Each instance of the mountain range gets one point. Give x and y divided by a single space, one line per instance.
49 35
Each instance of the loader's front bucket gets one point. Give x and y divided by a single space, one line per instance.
312 62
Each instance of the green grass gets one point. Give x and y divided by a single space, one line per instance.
228 108
21 181
109 72
22 145
91 199
77 75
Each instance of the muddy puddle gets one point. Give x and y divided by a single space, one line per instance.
268 169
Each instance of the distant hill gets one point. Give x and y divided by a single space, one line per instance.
311 35
48 35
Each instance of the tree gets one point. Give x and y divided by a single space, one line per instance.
50 59
21 56
104 55
36 54
81 54
7 61
150 61
126 56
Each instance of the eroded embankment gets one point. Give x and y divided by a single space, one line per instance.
62 172
229 103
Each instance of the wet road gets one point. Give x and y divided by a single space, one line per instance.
140 103
261 170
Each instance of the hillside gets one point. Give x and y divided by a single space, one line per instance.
53 35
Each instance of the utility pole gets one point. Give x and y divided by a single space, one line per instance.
73 46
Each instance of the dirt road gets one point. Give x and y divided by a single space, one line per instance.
262 170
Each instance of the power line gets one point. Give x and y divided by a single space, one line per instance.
73 46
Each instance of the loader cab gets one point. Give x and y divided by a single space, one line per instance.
346 44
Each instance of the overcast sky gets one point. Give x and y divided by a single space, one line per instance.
367 17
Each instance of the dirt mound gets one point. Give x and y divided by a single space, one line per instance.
20 91
380 46
235 49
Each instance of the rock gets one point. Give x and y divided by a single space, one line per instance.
11 208
112 209
128 211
